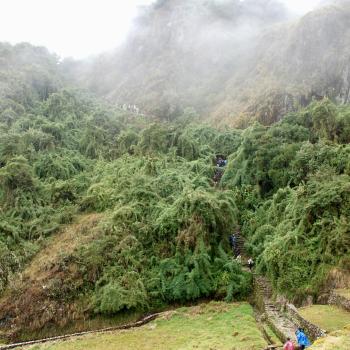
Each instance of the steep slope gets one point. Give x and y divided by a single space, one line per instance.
66 154
295 63
164 235
226 59
42 289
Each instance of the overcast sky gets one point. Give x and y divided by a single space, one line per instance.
79 28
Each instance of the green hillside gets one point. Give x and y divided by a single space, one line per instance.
112 205
106 214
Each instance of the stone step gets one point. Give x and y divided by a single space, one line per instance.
276 317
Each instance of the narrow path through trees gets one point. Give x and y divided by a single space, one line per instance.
280 324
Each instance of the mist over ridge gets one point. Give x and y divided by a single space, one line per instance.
227 59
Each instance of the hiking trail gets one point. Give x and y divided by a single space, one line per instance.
274 316
270 315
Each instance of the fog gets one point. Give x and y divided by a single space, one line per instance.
81 28
300 6
76 28
217 56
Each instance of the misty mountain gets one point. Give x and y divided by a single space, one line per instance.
27 73
228 59
295 63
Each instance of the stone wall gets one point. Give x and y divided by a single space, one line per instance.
278 332
282 316
339 300
137 324
311 330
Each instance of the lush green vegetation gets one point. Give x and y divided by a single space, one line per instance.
163 235
297 222
165 227
207 326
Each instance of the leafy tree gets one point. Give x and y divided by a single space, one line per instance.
17 174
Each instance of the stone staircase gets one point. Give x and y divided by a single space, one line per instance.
279 322
240 245
276 320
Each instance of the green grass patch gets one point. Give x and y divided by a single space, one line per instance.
339 340
328 317
216 325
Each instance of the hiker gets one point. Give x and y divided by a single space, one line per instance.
217 176
250 264
239 259
222 163
233 241
302 339
288 345
218 161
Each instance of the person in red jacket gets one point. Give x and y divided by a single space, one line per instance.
288 345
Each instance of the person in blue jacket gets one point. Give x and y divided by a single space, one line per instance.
233 241
302 339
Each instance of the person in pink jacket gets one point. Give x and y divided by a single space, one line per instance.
289 345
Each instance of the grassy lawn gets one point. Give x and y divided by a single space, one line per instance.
215 325
328 317
339 340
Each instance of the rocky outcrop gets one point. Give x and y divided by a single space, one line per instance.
339 300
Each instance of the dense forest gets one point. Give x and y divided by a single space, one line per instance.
162 227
